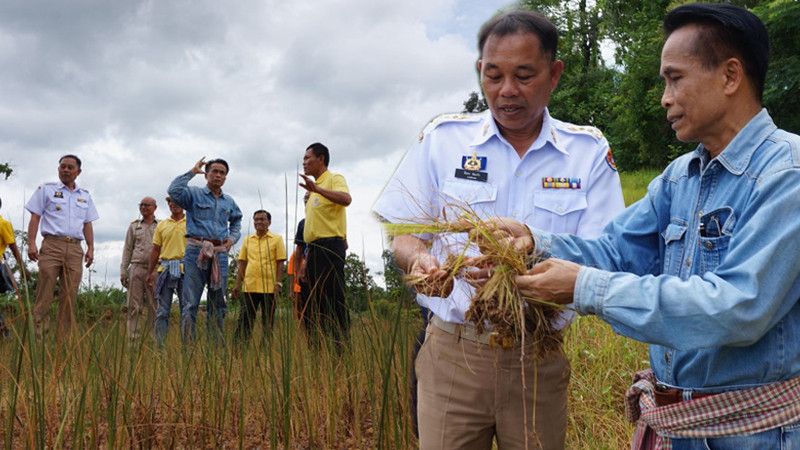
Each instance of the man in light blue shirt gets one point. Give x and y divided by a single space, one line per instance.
64 213
513 160
704 267
213 224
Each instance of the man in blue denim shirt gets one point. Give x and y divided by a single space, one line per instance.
213 223
704 267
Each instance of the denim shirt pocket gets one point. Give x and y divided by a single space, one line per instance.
674 247
204 211
718 226
480 197
558 211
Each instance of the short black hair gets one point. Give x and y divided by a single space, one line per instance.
320 150
726 31
264 211
77 160
521 21
219 161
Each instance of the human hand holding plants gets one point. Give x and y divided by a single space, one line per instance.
552 280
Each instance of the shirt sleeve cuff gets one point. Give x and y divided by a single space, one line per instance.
591 287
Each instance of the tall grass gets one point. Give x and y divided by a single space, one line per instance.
99 389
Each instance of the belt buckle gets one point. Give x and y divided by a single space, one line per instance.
496 341
68 239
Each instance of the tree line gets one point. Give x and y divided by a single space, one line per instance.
622 95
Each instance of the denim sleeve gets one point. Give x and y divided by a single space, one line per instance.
179 190
752 289
235 223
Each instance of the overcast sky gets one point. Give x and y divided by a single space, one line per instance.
140 90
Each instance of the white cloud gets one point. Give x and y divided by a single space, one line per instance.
142 90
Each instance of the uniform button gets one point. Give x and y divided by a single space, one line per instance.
689 262
560 209
467 198
515 213
666 358
517 174
709 245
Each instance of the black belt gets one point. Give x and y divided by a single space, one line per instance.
327 240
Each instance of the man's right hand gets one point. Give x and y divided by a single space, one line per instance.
516 233
151 279
33 253
199 165
235 290
123 280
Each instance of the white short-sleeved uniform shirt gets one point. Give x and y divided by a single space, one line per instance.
566 182
63 212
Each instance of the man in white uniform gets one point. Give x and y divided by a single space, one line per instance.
517 161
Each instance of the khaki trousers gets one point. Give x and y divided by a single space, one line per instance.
58 260
470 393
141 301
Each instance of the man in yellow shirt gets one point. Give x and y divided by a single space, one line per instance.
7 239
261 262
325 232
169 243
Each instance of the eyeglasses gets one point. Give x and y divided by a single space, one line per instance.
146 205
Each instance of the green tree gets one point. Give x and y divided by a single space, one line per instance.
6 170
396 288
782 90
359 284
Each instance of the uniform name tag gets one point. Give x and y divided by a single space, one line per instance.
472 168
471 175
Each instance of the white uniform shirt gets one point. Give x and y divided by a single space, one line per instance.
63 211
565 183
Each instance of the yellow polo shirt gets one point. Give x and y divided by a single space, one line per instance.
170 235
6 235
262 256
324 218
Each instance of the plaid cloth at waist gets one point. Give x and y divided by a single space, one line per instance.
740 412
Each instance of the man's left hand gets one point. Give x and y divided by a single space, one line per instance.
552 280
227 243
89 257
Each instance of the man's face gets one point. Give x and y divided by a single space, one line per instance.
261 223
68 170
517 79
313 165
693 96
215 175
174 208
147 207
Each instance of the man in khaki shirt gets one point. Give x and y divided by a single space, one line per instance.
133 271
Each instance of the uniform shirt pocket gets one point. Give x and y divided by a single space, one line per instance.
478 196
558 211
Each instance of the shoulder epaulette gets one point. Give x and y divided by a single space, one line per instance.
575 129
448 118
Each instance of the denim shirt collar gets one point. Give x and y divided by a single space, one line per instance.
737 155
207 191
